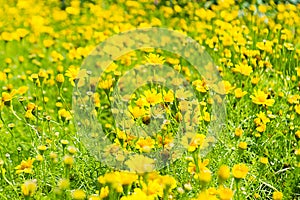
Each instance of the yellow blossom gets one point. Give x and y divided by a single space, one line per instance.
261 98
25 166
28 188
240 171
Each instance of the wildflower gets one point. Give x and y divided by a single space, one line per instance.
200 85
25 166
137 111
152 97
22 90
72 150
204 176
60 78
7 97
140 164
168 182
78 194
297 134
263 160
106 84
261 98
223 87
42 148
277 195
298 71
239 93
68 160
64 142
39 158
72 73
225 193
104 192
265 46
155 59
65 115
145 144
168 96
297 109
42 75
201 166
254 80
238 132
243 69
63 184
243 145
28 188
223 173
137 195
240 171
196 141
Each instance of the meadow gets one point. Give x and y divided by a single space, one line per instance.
228 131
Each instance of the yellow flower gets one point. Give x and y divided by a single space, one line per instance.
244 69
140 164
200 85
168 182
224 172
265 46
261 119
263 160
25 166
7 97
243 145
28 188
78 194
261 98
197 141
192 168
153 188
152 97
297 134
145 144
223 87
63 184
22 90
298 71
240 171
42 148
239 93
277 195
138 194
64 114
254 80
155 59
137 111
72 73
225 193
238 132
39 158
48 43
168 96
60 78
104 192
68 160
106 84
204 176
297 109
72 150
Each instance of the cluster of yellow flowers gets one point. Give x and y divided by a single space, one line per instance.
255 48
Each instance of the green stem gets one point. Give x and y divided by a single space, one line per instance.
237 189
